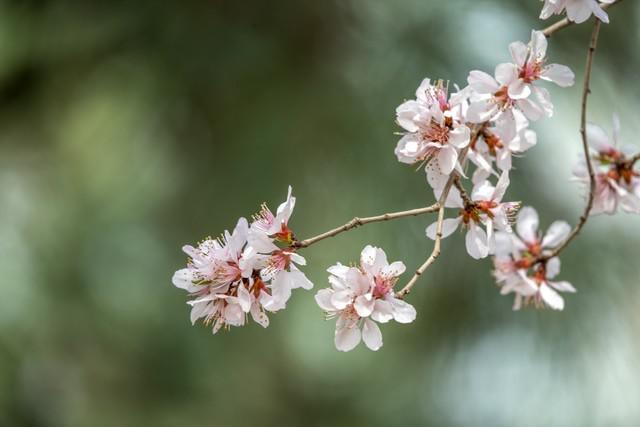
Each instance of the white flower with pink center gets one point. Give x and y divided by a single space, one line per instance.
513 85
617 182
244 272
516 254
484 210
434 130
499 143
578 11
361 296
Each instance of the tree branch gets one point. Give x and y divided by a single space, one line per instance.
564 23
356 222
585 145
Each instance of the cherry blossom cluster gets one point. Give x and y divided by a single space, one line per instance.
488 120
251 270
521 266
617 182
361 296
482 126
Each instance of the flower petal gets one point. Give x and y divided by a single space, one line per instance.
371 335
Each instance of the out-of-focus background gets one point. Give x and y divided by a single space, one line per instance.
128 129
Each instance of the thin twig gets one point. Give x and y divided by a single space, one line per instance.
585 145
435 253
356 222
463 193
564 23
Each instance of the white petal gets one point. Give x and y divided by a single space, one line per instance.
382 311
538 45
403 312
482 82
556 234
553 267
558 74
506 74
364 305
449 225
598 138
347 338
371 335
551 297
527 224
323 298
447 158
476 242
518 52
519 89
563 286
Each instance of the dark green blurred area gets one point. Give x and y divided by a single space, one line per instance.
128 129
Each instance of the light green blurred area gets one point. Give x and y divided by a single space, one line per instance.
128 129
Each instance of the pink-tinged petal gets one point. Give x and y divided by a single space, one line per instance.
563 286
394 269
259 316
323 299
364 305
382 311
234 315
408 114
558 74
543 99
447 158
476 242
530 109
527 224
198 311
410 149
482 191
598 138
551 297
297 279
403 312
459 137
538 45
347 338
183 279
482 82
371 335
339 270
556 234
482 111
518 52
501 187
341 299
553 267
506 73
518 89
244 298
373 259
579 11
449 225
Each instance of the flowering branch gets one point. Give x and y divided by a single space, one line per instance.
586 90
356 222
564 23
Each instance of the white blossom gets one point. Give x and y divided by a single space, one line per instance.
577 11
361 296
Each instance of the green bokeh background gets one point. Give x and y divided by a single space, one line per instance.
128 129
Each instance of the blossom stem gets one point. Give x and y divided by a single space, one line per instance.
564 23
435 253
463 193
356 222
585 146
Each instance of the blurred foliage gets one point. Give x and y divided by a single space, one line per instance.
128 129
